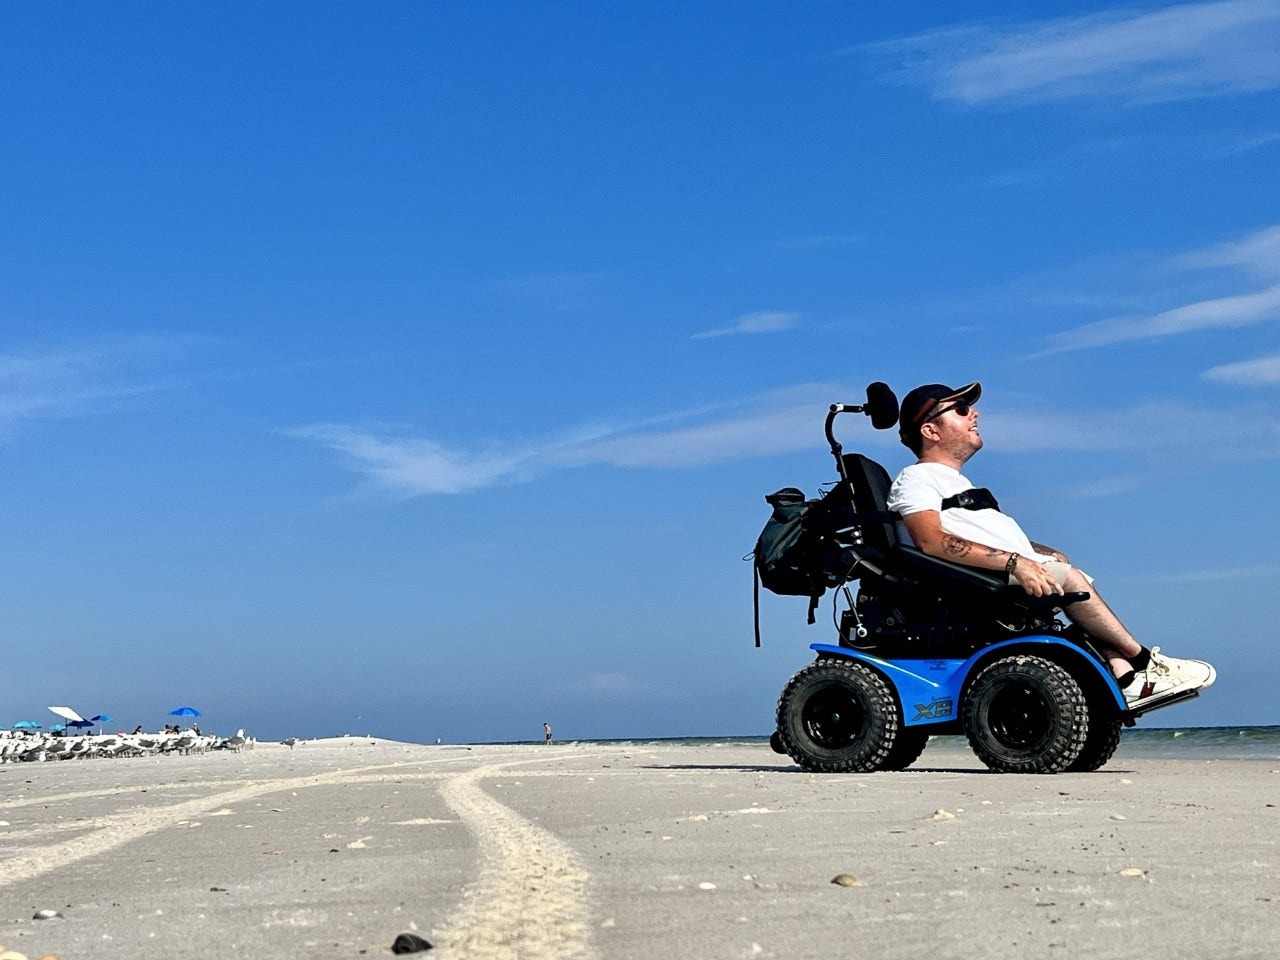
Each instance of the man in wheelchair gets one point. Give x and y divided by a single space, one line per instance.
945 516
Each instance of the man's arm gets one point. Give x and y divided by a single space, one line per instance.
925 527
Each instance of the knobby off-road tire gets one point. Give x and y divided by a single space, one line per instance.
1099 743
838 716
1025 714
906 749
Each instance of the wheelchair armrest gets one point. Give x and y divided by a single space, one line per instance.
971 578
957 574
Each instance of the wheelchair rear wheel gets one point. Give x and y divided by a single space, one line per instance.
906 749
840 716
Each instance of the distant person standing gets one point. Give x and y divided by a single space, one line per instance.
546 732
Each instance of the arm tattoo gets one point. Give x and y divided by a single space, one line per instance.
955 546
1041 548
992 552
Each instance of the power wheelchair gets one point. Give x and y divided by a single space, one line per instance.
927 647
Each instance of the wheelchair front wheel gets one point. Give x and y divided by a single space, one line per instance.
1025 714
1099 743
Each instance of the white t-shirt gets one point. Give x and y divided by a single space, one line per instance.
923 486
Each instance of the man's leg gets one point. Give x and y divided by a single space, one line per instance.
1101 623
1143 673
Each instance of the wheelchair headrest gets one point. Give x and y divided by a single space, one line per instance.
882 405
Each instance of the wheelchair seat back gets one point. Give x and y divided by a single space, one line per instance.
869 483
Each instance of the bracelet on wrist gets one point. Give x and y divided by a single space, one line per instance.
1013 562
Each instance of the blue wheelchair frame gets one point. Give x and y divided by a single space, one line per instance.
929 690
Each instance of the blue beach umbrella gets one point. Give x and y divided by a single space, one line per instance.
100 719
185 712
26 725
58 728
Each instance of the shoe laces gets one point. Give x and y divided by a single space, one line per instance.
1158 665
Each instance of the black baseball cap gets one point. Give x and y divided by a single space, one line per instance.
922 401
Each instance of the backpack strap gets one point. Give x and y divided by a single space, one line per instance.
755 597
975 498
814 598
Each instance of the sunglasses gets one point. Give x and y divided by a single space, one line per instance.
960 407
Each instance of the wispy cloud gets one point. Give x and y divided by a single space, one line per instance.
395 461
1238 310
1261 371
1157 430
765 321
782 422
411 466
83 381
1249 145
1179 52
1257 255
1065 162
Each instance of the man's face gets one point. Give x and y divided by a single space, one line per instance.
957 434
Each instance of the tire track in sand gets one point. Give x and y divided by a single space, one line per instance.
529 901
107 833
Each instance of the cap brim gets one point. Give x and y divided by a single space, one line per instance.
969 394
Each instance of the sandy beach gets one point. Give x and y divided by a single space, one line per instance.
336 847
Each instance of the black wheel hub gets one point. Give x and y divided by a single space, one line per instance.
1019 716
833 719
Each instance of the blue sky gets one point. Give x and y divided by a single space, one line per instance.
420 369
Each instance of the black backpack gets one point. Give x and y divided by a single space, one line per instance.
794 555
780 549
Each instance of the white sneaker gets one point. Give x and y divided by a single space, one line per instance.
1165 675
